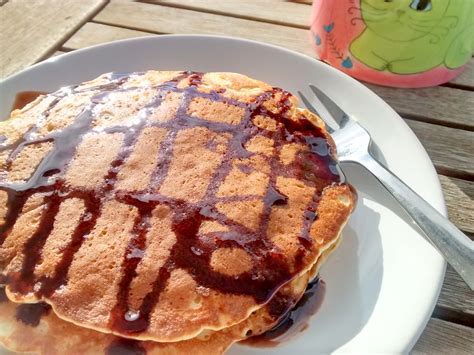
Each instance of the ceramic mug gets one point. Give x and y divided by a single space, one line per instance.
403 43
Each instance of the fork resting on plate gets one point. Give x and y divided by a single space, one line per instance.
353 145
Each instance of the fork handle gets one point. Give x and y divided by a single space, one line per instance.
457 248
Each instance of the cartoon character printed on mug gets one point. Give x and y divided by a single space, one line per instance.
431 33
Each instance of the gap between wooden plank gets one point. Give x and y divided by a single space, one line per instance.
457 298
453 316
55 54
441 105
458 86
304 2
270 11
438 121
95 33
459 197
54 51
466 79
442 337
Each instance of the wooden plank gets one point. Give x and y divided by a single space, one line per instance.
441 337
450 149
164 19
455 294
443 105
29 32
273 11
459 196
94 33
467 77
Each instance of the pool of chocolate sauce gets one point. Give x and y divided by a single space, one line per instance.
313 167
295 321
123 346
3 295
31 313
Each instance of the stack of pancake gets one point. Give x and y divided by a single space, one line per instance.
161 212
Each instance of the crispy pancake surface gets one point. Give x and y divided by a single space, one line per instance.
159 205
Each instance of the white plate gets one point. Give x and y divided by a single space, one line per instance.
384 279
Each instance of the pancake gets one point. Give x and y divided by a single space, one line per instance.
34 328
160 205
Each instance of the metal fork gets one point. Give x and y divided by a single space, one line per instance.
353 145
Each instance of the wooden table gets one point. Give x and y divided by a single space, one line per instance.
442 117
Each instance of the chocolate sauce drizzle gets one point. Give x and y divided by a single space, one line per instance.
27 313
192 251
295 318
